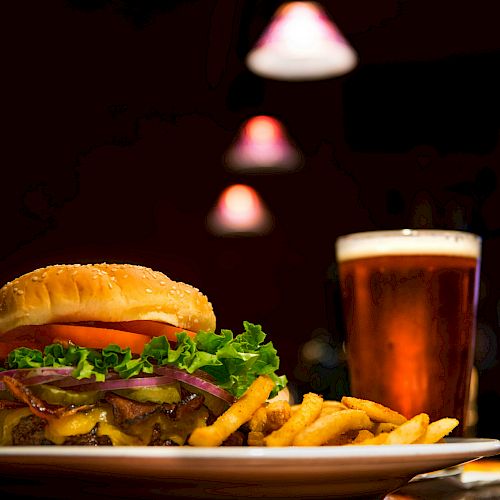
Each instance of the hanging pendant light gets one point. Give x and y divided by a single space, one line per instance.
262 146
239 211
301 43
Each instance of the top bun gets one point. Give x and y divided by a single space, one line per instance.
102 292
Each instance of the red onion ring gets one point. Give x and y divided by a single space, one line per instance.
195 381
123 383
60 377
35 376
74 382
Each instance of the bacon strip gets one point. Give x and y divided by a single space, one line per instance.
190 403
127 411
10 405
38 406
156 439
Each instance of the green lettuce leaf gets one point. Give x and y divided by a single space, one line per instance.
233 361
23 357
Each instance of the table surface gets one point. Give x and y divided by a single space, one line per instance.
477 480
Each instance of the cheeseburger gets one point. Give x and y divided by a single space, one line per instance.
118 354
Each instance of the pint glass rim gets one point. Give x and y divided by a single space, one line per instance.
431 242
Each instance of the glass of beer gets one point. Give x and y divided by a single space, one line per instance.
409 299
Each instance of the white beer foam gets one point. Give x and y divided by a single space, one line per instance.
408 242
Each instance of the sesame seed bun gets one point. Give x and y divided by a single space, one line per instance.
102 292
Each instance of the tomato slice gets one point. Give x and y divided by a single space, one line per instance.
133 334
85 336
150 328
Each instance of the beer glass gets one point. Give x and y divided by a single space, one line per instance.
409 299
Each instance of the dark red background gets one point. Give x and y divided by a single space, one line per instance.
117 114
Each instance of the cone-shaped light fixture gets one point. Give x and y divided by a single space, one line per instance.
239 211
262 146
301 43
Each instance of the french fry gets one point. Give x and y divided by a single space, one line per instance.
277 412
410 431
270 416
362 435
331 426
343 439
380 427
376 411
237 414
305 414
331 407
437 430
255 438
258 420
314 422
378 439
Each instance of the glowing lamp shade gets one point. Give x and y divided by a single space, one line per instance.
262 146
239 211
301 43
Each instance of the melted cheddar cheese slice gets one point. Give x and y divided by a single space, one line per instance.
137 434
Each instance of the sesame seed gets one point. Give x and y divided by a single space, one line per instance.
110 285
163 283
59 271
148 290
44 275
19 292
35 278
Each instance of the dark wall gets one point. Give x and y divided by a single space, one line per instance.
117 114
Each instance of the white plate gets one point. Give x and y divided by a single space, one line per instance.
227 472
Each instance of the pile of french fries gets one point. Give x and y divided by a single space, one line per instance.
315 422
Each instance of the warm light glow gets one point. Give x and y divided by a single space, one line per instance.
263 129
298 22
239 203
239 210
262 146
301 43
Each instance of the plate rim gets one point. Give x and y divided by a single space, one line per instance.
452 447
338 471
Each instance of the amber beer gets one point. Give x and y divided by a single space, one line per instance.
410 300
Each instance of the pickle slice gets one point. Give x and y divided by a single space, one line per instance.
57 396
167 393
